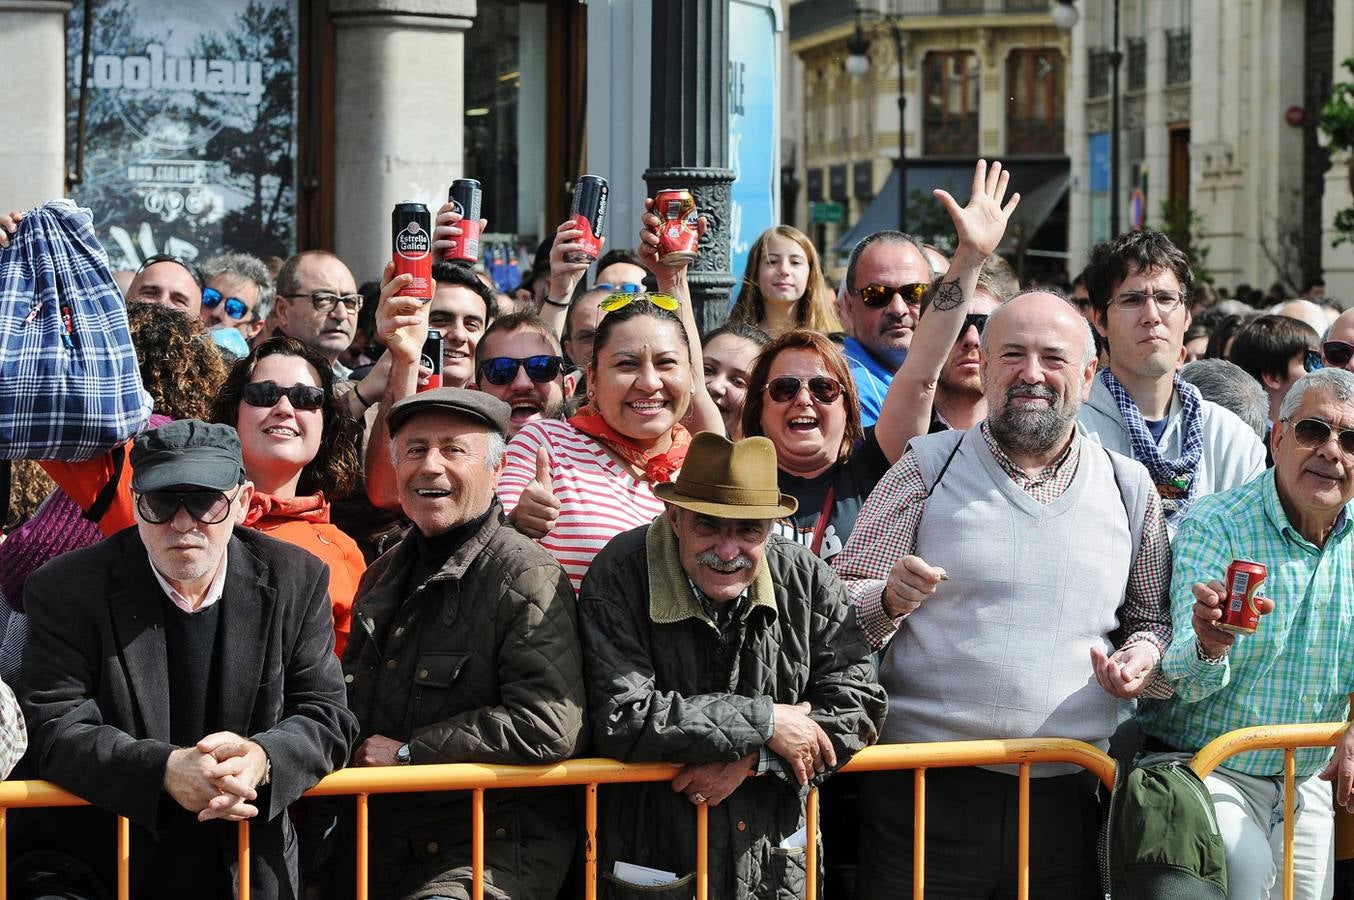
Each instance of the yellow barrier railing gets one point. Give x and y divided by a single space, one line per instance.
1287 738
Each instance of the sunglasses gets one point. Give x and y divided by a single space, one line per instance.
501 370
877 296
1313 433
785 388
977 320
235 307
620 287
1337 353
1311 361
622 300
207 507
266 394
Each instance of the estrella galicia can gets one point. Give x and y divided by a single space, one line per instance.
411 240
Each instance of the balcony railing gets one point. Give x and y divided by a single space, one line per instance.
1177 57
955 136
1137 64
1098 73
1034 137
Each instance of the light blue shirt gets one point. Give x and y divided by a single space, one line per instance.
872 380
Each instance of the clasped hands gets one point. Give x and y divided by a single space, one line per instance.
217 778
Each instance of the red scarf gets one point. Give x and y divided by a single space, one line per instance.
659 466
265 509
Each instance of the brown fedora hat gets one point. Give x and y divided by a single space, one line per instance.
729 480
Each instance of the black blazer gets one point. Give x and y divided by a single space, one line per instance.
95 693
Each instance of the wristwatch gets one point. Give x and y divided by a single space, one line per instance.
402 755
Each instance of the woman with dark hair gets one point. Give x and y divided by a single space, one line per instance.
300 450
729 352
783 286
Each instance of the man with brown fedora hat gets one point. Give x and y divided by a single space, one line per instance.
711 643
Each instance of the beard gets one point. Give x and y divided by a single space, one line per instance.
1031 430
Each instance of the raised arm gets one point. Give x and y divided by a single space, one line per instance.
402 324
979 226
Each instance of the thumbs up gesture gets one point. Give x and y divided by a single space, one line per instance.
537 508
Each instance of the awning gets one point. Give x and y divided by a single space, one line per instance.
1042 184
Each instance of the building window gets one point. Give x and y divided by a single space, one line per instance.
1177 56
1097 73
1137 64
1034 106
951 114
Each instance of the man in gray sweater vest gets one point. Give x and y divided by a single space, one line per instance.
1017 576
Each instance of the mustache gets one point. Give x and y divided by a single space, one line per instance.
711 559
1040 391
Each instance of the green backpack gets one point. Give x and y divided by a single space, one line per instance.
1161 840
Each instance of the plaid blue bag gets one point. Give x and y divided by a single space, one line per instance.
70 387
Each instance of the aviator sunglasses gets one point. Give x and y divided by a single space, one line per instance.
501 370
621 300
207 507
1313 433
235 307
266 394
785 388
877 296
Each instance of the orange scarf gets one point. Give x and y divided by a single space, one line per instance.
265 509
659 466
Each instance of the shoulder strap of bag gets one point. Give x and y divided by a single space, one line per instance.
99 508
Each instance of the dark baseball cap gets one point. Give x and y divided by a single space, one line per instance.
187 453
473 404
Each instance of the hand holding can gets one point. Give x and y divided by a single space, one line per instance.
465 197
679 226
588 212
1240 612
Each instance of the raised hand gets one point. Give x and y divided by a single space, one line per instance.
564 275
981 224
447 227
9 224
648 245
401 322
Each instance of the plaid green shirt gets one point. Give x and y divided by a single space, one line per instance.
1297 667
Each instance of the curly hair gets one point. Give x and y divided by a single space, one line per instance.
337 467
180 366
833 360
815 308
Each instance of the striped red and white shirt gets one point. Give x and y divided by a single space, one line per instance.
598 498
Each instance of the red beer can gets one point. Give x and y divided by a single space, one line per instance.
465 196
679 232
588 213
432 359
411 240
1240 615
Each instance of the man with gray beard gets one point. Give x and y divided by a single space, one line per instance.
1016 575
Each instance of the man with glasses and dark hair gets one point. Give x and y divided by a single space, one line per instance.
1296 668
518 360
181 674
239 293
1140 285
318 303
887 277
168 281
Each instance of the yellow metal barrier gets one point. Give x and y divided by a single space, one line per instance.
1272 737
361 783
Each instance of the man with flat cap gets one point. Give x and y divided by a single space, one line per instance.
182 674
464 649
712 643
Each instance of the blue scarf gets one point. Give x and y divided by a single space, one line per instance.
1174 478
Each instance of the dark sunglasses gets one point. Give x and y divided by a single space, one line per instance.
235 307
266 394
787 387
1313 433
977 320
501 370
1311 361
621 287
877 296
1337 353
207 507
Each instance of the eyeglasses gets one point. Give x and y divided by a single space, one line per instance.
785 388
235 307
266 394
1337 353
1166 301
323 301
207 507
1311 361
977 320
501 370
1313 433
620 287
621 300
877 296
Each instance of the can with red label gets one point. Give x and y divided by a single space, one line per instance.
588 213
432 359
1240 615
679 231
411 241
465 196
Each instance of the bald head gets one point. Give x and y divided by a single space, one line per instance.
1341 332
1053 308
1304 311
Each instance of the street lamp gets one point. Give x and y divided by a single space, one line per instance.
858 65
1065 16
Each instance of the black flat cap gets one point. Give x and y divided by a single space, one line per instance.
473 404
187 453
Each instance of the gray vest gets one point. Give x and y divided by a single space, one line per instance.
1002 650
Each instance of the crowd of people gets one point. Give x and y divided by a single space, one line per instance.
933 505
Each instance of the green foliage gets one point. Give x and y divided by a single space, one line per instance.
1185 228
1337 122
928 221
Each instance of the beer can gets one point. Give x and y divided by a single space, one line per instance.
465 196
588 213
1240 615
411 240
679 230
432 359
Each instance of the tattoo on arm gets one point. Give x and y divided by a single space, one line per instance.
948 296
